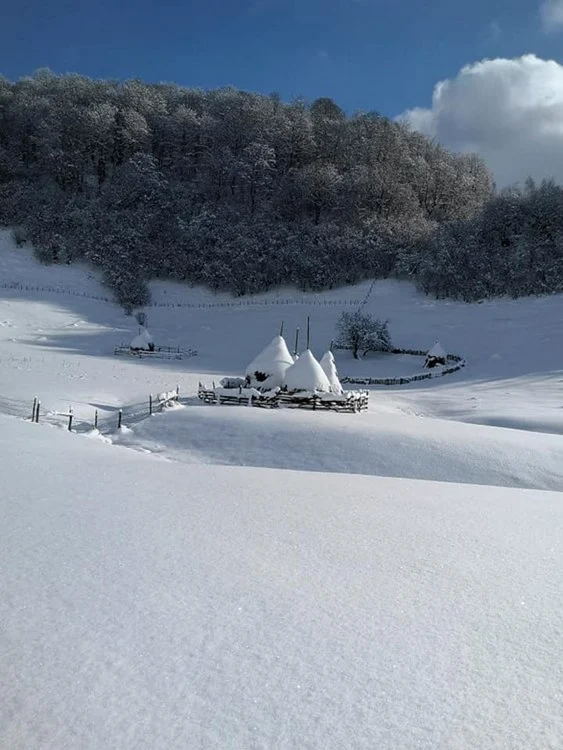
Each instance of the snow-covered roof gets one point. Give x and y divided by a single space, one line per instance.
272 361
306 375
329 367
142 340
437 351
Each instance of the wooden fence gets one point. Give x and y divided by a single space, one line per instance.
159 352
126 415
18 286
350 401
456 361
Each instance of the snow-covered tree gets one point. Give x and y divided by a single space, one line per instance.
242 192
361 332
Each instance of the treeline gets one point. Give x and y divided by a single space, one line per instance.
513 246
242 192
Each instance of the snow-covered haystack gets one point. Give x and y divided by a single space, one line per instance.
306 375
436 356
143 341
267 370
329 368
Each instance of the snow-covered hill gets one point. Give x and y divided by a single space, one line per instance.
278 579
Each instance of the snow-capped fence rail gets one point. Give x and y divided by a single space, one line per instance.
159 352
456 363
126 415
18 286
349 401
259 302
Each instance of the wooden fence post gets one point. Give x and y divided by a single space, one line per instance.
150 404
34 407
96 419
37 412
119 419
70 420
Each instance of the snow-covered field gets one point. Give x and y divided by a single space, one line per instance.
279 579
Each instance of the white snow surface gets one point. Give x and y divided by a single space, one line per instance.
273 361
329 368
232 577
306 374
145 604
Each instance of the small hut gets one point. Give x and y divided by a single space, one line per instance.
436 356
143 341
306 374
329 367
267 370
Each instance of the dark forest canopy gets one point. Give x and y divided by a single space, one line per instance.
241 191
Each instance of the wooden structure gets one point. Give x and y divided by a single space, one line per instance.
157 352
348 401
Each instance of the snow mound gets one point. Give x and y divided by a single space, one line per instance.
269 367
329 368
142 341
306 375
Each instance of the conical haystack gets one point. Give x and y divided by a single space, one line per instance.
267 370
436 356
329 368
306 375
143 340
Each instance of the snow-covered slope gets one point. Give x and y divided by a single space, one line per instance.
514 375
375 444
157 605
200 592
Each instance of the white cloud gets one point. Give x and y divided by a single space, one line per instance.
509 111
551 13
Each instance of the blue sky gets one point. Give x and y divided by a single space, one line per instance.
383 55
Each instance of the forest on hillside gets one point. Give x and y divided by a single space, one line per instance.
242 192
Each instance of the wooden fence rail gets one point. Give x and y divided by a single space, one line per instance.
456 361
130 414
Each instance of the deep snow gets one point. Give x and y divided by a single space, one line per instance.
199 592
146 604
374 444
514 375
